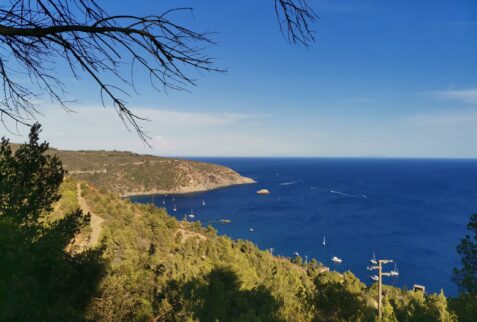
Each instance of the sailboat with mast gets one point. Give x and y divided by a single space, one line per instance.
324 241
373 260
203 202
395 271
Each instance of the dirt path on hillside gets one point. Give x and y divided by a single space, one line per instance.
95 221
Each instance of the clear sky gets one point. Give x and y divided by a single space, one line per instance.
384 78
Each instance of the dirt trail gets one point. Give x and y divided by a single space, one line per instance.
186 234
95 221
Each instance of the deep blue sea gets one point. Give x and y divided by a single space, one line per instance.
413 211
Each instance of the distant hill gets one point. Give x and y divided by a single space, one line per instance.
127 173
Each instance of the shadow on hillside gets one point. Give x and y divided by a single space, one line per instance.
39 280
218 297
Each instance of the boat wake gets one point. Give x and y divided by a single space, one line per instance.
361 196
288 183
317 188
349 195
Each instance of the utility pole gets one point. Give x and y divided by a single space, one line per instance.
381 262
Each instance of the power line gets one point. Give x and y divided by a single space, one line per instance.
379 267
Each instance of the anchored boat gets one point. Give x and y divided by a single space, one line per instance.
337 260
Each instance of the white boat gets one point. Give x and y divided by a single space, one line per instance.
203 202
173 199
251 229
337 260
395 271
374 278
324 241
175 208
191 216
296 254
373 260
163 201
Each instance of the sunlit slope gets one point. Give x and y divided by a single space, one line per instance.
127 173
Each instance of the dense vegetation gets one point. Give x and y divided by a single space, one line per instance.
129 173
40 280
150 266
466 276
126 172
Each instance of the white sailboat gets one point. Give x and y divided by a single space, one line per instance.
336 260
373 260
395 271
374 278
324 241
203 202
163 201
175 208
191 215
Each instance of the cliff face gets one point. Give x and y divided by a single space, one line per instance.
127 173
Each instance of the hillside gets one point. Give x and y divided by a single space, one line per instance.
162 269
127 173
93 256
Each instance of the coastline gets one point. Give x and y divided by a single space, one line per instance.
187 190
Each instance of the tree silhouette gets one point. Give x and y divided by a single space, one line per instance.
466 277
219 297
39 279
36 33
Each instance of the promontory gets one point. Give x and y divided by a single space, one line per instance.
127 173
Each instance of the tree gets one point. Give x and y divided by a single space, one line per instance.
220 297
29 180
466 276
39 279
337 297
36 33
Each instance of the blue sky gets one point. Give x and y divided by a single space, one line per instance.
384 78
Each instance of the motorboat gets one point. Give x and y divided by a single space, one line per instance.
336 260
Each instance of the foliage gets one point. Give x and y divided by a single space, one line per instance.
219 297
130 173
416 306
153 267
337 297
39 279
466 277
29 180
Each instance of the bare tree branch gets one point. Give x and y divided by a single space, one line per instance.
35 34
295 18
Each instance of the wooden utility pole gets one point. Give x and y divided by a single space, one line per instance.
381 262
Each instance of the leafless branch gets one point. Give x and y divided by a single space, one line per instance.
35 34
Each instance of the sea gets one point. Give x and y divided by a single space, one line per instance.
411 211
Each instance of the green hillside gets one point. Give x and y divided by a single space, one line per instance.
164 269
127 173
70 251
